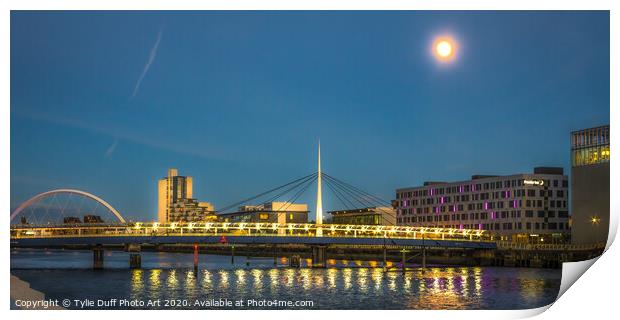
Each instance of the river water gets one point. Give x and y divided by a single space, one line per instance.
170 279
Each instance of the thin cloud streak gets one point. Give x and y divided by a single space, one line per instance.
144 140
111 148
148 64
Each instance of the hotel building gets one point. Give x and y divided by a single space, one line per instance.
175 202
530 207
590 185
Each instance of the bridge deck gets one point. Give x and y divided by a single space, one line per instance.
232 239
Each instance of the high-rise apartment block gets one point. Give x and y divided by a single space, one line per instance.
175 202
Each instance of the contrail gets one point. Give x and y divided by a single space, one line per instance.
147 66
111 148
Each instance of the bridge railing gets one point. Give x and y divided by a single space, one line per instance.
549 246
249 229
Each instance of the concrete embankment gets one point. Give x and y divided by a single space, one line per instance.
25 298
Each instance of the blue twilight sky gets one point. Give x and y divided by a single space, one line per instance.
107 101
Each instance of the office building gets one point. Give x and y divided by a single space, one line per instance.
529 207
590 185
385 216
175 201
271 212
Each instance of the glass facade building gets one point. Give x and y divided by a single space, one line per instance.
590 190
590 146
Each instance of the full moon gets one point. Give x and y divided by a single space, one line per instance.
444 49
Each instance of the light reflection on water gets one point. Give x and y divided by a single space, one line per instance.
331 288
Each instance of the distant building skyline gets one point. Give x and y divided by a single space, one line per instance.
107 101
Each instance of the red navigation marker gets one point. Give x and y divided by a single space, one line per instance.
223 239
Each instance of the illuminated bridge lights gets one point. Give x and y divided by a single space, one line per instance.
247 229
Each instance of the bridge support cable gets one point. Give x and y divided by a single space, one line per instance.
357 196
368 199
363 200
295 183
351 195
365 197
296 196
309 180
343 200
384 202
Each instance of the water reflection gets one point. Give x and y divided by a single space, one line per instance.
351 287
223 279
274 276
172 279
434 288
154 278
137 284
331 277
257 274
392 280
362 279
346 274
240 274
206 279
377 278
305 278
190 279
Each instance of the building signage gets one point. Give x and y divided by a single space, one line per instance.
534 182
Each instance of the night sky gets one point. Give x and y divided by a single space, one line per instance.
107 101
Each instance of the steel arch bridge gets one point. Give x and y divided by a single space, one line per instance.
50 193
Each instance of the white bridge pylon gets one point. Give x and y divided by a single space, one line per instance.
40 196
319 198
